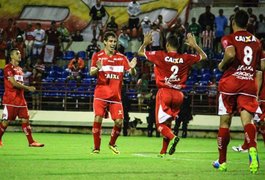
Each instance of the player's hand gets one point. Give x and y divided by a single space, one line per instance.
147 39
191 41
99 64
31 88
133 62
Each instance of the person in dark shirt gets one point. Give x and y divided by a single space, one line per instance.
77 36
206 18
92 48
112 25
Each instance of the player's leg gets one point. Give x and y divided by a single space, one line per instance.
100 110
3 126
116 111
24 115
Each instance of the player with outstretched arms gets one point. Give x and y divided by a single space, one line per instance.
171 72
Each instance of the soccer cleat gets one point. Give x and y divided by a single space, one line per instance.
253 160
95 151
36 144
221 167
239 149
1 144
114 149
161 155
173 145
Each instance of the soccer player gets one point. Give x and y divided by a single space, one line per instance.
13 100
171 72
109 66
238 88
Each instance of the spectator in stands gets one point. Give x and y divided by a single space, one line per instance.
97 12
252 17
126 104
163 28
134 9
65 37
39 40
184 116
29 39
53 38
38 72
75 68
206 18
156 38
146 25
3 48
142 90
77 36
236 9
10 33
151 105
179 30
112 25
109 66
251 26
260 33
21 46
123 40
220 25
171 70
207 41
92 48
27 70
195 29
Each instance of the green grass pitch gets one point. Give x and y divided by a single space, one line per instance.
67 156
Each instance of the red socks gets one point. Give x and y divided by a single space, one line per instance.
165 131
2 130
114 135
96 130
165 145
27 130
222 142
250 135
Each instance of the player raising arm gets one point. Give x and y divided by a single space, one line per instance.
171 72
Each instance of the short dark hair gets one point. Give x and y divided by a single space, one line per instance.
173 41
241 18
109 34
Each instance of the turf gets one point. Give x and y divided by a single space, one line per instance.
67 156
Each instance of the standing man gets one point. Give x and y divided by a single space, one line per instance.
97 12
109 66
13 100
134 9
238 88
171 72
206 18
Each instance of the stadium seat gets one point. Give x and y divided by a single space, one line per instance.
1 73
129 55
68 55
82 54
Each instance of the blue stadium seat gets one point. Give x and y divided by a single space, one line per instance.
129 55
1 73
82 54
68 55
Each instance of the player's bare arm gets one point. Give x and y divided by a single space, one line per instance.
191 41
229 56
259 81
94 70
132 64
147 41
21 86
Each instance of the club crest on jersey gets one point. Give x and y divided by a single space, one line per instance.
246 38
112 76
174 60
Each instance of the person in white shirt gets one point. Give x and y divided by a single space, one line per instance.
133 10
39 37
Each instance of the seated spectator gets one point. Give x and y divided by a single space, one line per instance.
29 38
92 48
77 36
123 40
21 46
142 90
65 37
38 71
75 68
112 25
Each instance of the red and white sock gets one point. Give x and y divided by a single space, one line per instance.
250 135
96 130
114 135
27 130
222 142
